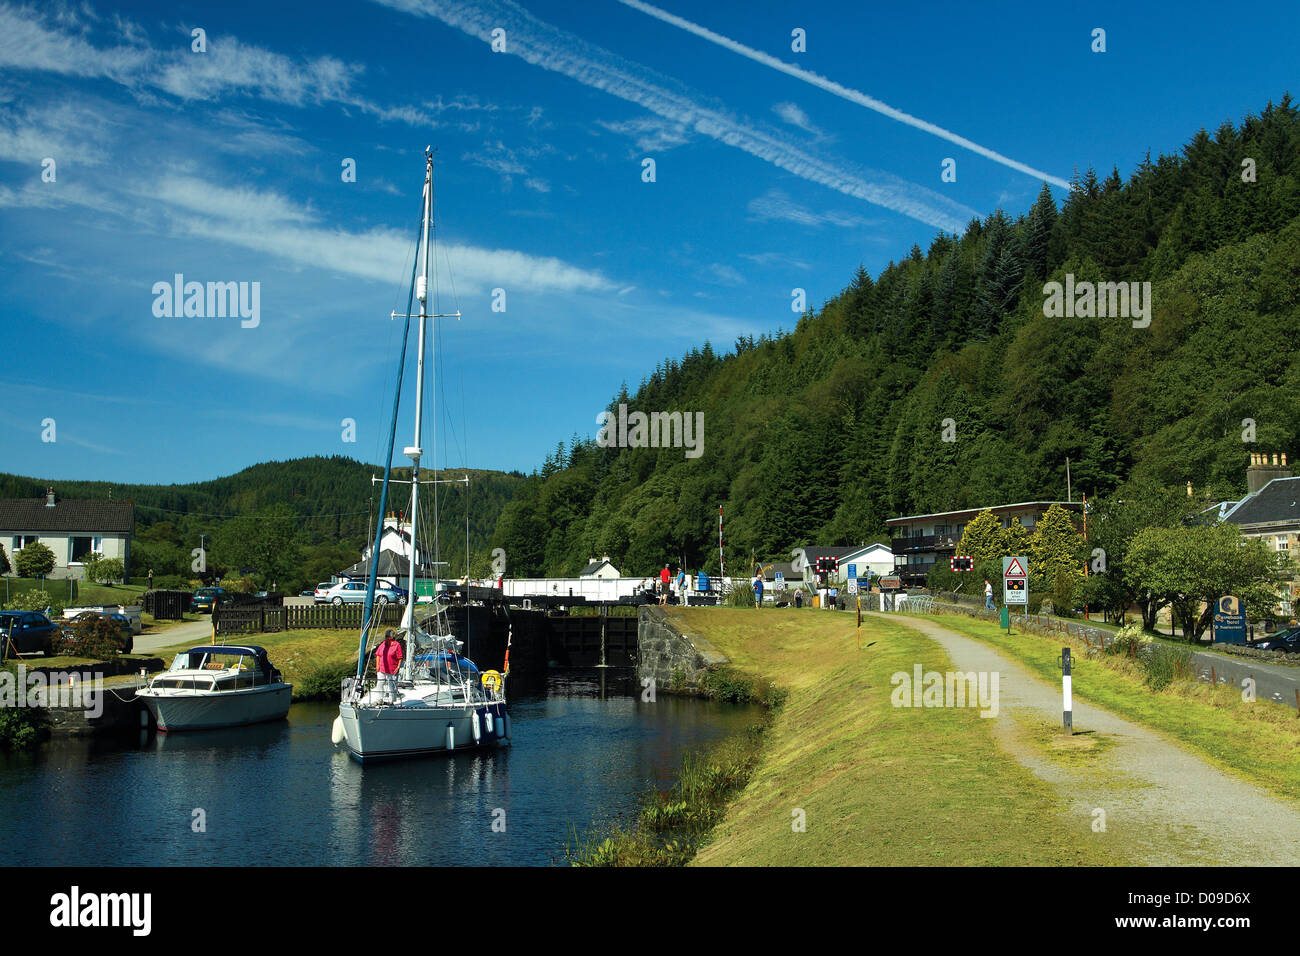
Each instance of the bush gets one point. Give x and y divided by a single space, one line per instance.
21 728
323 682
35 600
92 635
1160 663
34 561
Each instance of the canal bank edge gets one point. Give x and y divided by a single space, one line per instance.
676 661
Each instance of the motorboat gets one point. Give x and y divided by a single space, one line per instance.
217 685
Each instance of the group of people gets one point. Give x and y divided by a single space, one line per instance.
681 584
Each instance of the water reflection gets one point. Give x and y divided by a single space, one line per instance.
279 793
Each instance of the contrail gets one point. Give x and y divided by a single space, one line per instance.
830 86
550 48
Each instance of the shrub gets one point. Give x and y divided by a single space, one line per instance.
323 682
34 561
21 728
35 600
91 635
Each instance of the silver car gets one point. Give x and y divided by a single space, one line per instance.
354 592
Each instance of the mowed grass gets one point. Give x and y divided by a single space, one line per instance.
878 785
1258 741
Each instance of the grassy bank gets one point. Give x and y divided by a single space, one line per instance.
670 826
872 784
1258 740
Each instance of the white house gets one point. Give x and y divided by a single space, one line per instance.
600 568
72 528
867 559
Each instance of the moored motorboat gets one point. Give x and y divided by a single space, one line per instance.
217 685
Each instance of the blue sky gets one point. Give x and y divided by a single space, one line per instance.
225 165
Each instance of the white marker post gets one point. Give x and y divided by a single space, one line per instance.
1066 695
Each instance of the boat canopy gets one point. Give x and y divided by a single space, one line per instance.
195 655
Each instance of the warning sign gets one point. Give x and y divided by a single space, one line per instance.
1015 580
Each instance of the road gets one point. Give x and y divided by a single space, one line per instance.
191 632
1276 682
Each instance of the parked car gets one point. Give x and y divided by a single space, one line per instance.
307 593
354 592
321 594
1287 641
125 633
205 598
25 632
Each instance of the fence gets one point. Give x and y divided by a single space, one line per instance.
267 618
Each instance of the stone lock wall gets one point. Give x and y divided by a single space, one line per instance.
677 661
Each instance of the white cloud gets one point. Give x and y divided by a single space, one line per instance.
270 223
652 134
774 205
792 114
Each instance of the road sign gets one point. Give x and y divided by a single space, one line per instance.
853 571
853 584
1015 580
961 562
780 580
1229 621
891 583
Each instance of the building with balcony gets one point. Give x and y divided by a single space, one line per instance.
919 541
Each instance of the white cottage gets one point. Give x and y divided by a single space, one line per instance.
72 528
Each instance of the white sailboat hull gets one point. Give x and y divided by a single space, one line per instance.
412 728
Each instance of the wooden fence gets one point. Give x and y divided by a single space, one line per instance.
270 619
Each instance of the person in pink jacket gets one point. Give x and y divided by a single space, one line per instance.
388 660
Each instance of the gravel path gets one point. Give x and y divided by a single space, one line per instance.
1166 805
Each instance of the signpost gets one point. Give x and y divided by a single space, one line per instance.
1015 580
1229 621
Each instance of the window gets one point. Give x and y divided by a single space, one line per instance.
23 540
79 547
1282 543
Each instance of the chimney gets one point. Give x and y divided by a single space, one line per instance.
49 498
1262 471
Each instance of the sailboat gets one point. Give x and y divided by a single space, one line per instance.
442 702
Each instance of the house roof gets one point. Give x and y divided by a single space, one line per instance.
68 514
1278 502
594 566
390 563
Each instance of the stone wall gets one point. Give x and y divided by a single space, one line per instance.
675 660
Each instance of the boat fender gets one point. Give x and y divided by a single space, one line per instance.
451 737
337 734
474 728
487 722
505 726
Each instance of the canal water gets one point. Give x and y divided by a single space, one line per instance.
280 794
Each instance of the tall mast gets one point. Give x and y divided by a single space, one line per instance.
414 452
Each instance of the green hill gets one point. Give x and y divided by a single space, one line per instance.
327 503
821 434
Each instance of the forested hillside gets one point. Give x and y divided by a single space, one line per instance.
325 504
821 434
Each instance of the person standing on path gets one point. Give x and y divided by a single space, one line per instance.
758 590
988 595
664 577
798 598
388 658
684 587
